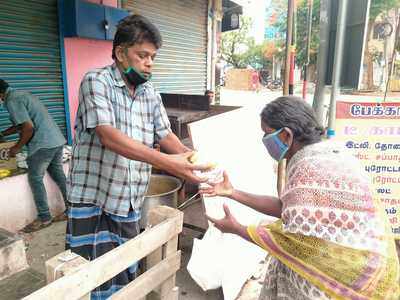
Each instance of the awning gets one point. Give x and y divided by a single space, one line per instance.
230 19
229 6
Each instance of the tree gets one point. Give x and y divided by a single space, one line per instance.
377 8
254 55
301 28
235 44
261 56
301 32
381 6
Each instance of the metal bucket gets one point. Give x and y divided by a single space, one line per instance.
163 190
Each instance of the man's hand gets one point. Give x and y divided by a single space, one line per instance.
228 224
13 151
223 188
176 164
179 165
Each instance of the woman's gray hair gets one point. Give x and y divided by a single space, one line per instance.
294 113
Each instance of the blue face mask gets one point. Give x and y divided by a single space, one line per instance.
275 147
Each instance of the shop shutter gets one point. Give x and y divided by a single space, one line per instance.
30 54
181 64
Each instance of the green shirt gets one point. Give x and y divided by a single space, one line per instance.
25 107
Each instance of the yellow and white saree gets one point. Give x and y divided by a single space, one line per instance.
332 241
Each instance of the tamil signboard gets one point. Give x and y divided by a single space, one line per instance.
372 131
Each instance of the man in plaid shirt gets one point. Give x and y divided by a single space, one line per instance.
120 117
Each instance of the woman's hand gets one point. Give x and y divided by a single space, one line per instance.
223 188
228 224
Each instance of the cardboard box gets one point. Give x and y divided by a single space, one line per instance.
7 162
238 79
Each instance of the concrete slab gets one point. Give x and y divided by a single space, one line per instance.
21 284
12 254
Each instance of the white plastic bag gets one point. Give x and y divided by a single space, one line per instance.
205 265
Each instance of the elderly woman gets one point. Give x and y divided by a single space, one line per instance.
331 240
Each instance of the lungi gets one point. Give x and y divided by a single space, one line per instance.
92 232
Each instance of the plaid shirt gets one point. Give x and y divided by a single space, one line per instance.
98 175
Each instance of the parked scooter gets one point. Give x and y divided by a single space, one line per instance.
267 81
274 84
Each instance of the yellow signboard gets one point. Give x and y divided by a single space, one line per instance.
7 162
372 131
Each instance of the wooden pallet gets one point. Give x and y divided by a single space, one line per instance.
76 278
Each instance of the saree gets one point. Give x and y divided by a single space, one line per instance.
332 241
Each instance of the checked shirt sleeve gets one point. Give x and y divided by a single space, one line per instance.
95 102
161 121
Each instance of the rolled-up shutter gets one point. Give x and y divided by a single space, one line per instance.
30 54
181 65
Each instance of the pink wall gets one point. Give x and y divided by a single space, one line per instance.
82 55
113 3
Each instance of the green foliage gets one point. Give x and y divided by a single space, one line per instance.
280 6
254 55
302 29
234 44
381 6
377 8
240 50
301 33
375 54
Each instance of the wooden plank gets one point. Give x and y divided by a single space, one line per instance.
174 294
163 252
168 250
156 256
156 217
57 266
63 264
149 280
112 263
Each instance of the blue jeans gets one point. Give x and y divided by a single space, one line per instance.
38 163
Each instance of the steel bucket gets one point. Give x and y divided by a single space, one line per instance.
163 190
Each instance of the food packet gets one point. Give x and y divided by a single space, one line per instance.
213 175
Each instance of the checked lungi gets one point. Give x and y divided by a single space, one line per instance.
92 232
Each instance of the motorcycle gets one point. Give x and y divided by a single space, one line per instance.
274 84
267 81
